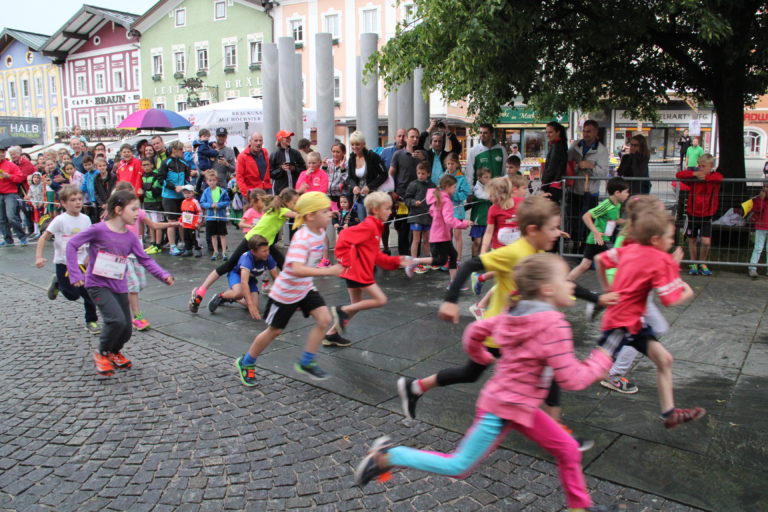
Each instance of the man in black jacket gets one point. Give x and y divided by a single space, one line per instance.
403 169
285 163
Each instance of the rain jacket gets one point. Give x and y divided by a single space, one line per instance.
703 197
443 220
357 249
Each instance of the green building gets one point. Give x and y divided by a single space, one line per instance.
218 42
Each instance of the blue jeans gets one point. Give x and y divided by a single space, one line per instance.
9 217
760 237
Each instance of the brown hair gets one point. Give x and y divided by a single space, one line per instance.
120 198
446 180
642 144
518 181
651 223
210 173
635 207
124 186
279 201
535 211
482 172
535 271
259 194
257 241
422 166
67 191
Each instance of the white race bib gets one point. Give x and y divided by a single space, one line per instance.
187 217
109 265
610 227
508 235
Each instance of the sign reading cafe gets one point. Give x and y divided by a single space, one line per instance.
102 100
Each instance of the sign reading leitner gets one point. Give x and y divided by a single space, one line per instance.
29 127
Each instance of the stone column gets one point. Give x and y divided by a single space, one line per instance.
420 104
369 118
392 125
299 123
405 104
287 84
324 93
358 95
270 93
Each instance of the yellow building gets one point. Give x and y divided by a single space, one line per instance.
30 85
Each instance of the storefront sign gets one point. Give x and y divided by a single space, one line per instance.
761 117
103 100
29 127
523 115
666 118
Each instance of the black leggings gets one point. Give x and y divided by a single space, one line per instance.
472 371
442 252
241 249
116 315
190 239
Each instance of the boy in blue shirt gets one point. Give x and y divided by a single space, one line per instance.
250 267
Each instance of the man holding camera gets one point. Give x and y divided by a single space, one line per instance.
224 165
436 152
285 163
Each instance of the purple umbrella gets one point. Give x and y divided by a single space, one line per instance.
154 119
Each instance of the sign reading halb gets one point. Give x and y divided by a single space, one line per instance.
667 117
29 127
103 100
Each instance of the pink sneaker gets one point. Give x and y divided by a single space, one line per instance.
140 323
325 262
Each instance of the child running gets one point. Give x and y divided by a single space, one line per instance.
533 338
110 243
279 210
244 278
601 222
357 250
63 228
294 289
642 267
215 201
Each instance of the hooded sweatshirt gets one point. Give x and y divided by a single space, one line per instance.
536 345
442 219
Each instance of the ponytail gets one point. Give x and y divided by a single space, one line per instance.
445 181
280 200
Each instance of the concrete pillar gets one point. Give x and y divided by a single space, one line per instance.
287 85
299 123
392 125
324 93
270 92
358 94
369 120
405 104
420 105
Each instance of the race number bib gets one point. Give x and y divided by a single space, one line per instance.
610 227
508 235
187 217
109 265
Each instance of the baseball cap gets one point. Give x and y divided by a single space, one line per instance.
221 131
188 187
283 134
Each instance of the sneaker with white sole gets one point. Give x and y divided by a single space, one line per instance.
369 468
408 398
312 369
476 311
620 384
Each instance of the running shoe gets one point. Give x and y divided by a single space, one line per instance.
584 444
312 369
175 251
198 253
120 361
336 340
93 328
247 373
140 323
325 262
53 288
620 384
186 254
194 301
704 270
23 242
340 319
476 311
214 256
103 365
224 256
753 273
152 249
420 269
444 268
477 284
693 270
369 467
408 398
680 416
215 302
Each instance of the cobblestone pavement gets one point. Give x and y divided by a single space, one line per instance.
179 432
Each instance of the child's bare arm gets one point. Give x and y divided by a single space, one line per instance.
39 260
601 273
302 270
587 218
487 237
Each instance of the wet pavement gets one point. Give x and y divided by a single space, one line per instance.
184 391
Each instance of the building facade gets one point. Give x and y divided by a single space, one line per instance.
216 41
30 84
756 129
100 61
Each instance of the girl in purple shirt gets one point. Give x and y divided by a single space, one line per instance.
109 245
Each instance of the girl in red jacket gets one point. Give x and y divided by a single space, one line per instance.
129 169
536 347
357 249
760 220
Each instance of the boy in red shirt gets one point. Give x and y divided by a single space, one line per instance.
643 266
357 249
702 205
129 169
191 218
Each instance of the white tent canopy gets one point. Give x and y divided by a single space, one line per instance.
240 116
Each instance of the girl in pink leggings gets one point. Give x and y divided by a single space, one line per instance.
536 346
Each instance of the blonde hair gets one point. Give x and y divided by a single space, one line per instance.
518 181
535 211
376 200
357 137
316 156
499 190
636 207
67 191
534 272
210 173
651 223
707 157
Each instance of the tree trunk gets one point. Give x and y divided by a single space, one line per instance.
729 105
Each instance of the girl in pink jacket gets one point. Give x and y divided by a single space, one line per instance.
443 224
536 346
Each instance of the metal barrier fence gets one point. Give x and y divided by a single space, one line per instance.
732 235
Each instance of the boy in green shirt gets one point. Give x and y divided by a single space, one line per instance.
152 202
602 221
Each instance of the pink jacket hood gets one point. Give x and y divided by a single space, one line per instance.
443 221
536 346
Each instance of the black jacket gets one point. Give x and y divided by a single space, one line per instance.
280 178
417 191
456 147
103 187
557 159
375 174
635 166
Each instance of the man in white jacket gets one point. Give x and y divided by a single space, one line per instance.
592 159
